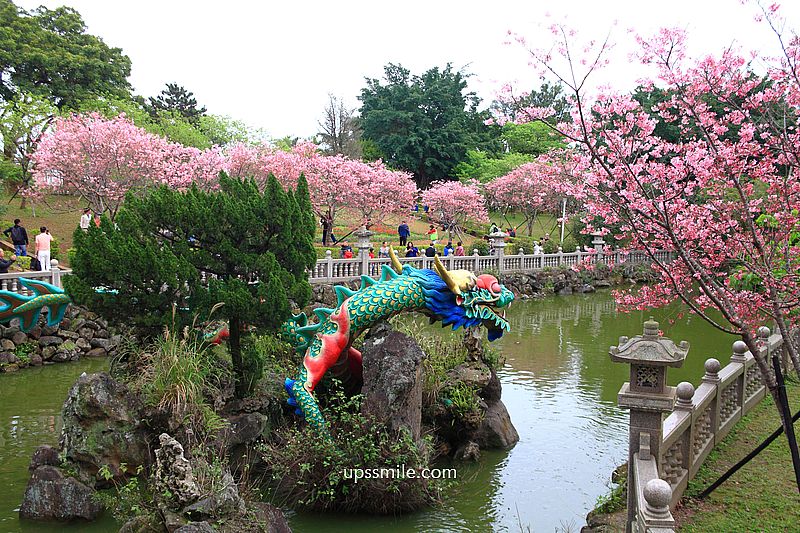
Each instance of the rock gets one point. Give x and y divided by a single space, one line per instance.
51 496
96 352
102 427
195 527
76 324
12 367
476 375
36 360
9 332
7 345
12 358
141 524
5 358
469 452
61 356
86 333
91 324
243 429
49 340
116 340
493 390
174 473
49 331
269 518
82 344
224 502
19 338
48 353
35 332
602 283
100 343
67 334
103 334
586 288
496 429
44 455
393 379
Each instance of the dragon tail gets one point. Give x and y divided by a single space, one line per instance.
304 402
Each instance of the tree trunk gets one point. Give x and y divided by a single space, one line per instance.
235 345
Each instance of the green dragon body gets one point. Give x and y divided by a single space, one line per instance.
457 298
28 308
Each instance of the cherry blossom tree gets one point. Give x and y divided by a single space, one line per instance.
531 189
102 159
723 197
454 203
381 192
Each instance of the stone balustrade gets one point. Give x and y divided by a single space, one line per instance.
10 280
702 416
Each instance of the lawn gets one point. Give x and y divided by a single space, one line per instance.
763 495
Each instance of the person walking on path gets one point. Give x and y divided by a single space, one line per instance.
86 218
43 248
433 235
459 252
19 238
5 263
403 232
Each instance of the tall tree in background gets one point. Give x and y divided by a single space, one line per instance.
423 124
48 53
510 105
176 99
241 246
340 132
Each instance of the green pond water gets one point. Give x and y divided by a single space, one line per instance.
559 386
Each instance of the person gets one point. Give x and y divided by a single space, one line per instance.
19 238
433 235
372 253
411 250
537 249
430 251
448 249
5 263
512 232
403 232
384 249
42 246
459 252
494 228
545 238
97 219
345 250
85 219
327 230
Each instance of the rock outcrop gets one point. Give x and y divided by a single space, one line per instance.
52 496
102 428
174 473
393 379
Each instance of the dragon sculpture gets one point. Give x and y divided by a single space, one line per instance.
28 308
458 298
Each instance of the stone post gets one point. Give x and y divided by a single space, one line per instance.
363 245
476 255
497 245
55 273
647 394
598 244
328 264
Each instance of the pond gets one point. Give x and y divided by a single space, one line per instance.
560 388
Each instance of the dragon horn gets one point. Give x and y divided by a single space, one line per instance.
445 275
395 261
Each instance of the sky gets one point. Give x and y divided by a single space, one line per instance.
273 64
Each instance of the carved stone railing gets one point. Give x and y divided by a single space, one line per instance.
701 418
10 281
329 269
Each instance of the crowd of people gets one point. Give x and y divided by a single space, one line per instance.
40 260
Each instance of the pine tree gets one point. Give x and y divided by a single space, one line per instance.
239 246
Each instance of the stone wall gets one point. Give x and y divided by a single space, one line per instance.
80 334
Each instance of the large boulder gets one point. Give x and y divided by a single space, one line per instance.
51 496
174 472
102 428
393 379
496 429
224 502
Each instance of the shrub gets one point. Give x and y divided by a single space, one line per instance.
311 472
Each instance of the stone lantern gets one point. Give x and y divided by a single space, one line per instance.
497 244
647 394
363 245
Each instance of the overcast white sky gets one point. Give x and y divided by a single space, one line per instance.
272 64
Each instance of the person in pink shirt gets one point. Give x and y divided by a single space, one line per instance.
43 248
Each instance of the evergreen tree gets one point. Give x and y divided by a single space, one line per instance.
176 99
239 246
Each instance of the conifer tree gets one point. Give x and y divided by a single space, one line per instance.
245 248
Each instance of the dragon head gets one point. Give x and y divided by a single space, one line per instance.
460 298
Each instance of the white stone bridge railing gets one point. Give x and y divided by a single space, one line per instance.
665 455
10 280
330 270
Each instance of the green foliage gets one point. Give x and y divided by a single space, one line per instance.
239 246
308 472
178 101
48 53
548 95
531 138
613 501
424 124
25 350
480 166
463 401
128 500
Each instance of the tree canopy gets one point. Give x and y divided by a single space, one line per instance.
241 246
178 100
424 124
48 53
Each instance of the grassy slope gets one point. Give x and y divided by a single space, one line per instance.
762 496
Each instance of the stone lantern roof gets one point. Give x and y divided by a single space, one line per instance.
649 349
